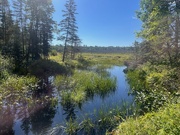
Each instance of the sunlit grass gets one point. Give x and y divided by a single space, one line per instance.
78 87
16 89
107 59
90 59
163 122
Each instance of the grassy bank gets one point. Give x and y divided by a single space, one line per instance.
163 122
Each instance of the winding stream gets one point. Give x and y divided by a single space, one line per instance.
48 117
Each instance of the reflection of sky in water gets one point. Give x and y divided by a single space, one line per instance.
47 118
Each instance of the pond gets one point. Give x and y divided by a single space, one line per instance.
43 119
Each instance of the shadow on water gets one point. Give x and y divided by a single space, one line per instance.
69 111
42 115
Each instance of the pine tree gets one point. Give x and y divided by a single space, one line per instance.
68 28
6 28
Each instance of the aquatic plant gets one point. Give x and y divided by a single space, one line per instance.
82 84
15 88
100 121
71 127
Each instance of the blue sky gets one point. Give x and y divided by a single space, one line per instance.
104 22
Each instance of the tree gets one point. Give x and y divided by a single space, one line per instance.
26 34
68 28
40 28
161 28
6 28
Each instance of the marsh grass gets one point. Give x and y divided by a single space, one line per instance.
15 88
44 68
82 84
106 59
71 127
100 122
86 60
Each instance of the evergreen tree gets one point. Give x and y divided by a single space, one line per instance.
6 28
68 28
40 27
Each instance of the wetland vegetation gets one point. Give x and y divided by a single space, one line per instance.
74 89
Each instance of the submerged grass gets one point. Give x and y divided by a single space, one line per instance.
100 122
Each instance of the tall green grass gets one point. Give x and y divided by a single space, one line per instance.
82 85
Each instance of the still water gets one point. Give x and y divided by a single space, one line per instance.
40 120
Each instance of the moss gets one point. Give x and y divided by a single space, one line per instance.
163 122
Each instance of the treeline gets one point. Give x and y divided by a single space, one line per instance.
26 28
97 49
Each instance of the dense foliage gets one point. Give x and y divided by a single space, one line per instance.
154 86
154 73
26 33
160 30
164 122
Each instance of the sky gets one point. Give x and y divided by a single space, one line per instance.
103 22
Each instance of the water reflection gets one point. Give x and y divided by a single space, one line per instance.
26 125
31 113
41 119
40 115
6 121
69 111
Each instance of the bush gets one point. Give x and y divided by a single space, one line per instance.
5 68
53 53
163 122
153 85
45 68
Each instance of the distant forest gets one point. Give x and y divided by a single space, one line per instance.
97 49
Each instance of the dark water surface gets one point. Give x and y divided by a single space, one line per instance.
47 117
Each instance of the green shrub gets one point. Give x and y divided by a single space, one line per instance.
5 68
53 53
163 122
44 68
153 85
